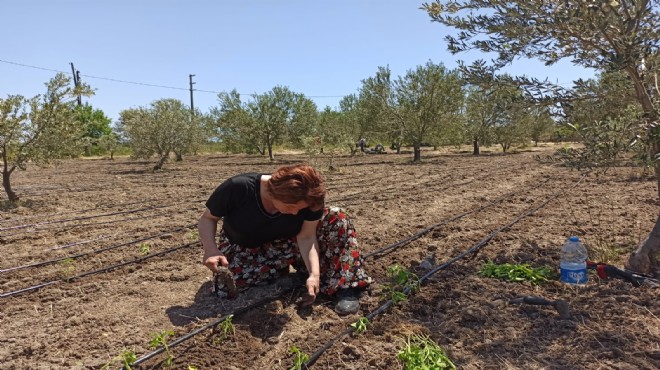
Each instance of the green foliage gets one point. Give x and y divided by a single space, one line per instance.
422 353
420 104
109 143
193 235
268 120
400 280
68 266
41 129
144 249
160 339
126 358
360 326
299 359
226 328
514 272
166 126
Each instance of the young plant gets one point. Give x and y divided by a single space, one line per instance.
360 326
401 280
144 249
160 339
193 235
192 367
513 272
226 329
127 358
300 358
421 352
68 267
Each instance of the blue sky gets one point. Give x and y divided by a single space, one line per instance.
322 49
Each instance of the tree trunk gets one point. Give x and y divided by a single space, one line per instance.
270 152
7 185
475 147
179 156
112 155
645 258
417 150
161 162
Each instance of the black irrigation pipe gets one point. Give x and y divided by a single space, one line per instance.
427 230
37 224
74 256
80 242
314 357
214 323
71 227
98 271
105 206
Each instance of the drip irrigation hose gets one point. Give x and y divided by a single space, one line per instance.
74 256
214 323
315 356
106 206
37 224
425 231
93 272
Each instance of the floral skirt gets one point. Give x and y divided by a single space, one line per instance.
339 257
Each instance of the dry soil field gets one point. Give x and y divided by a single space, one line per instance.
98 238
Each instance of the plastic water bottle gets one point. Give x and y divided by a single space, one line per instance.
573 263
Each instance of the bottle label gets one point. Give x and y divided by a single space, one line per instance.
574 276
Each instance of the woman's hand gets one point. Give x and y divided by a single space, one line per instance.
313 286
213 261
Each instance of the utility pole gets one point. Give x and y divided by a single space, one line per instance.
192 105
76 81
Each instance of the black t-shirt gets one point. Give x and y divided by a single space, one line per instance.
245 221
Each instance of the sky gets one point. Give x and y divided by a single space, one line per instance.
322 49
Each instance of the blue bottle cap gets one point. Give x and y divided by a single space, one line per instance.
574 239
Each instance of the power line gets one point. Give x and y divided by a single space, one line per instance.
146 84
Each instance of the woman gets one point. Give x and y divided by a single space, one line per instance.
273 221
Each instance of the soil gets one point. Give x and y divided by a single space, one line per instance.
79 321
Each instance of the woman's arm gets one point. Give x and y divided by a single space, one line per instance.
207 227
309 251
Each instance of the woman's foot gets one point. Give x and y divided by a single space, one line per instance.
348 301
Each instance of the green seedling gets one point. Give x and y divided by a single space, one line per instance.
193 235
160 339
300 358
226 329
513 272
144 249
68 267
192 367
421 352
360 326
401 280
127 358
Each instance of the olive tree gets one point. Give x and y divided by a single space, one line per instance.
267 120
160 129
607 35
40 129
420 103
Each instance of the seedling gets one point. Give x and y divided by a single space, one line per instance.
160 339
126 357
300 358
68 267
193 235
401 280
513 272
226 328
144 249
192 367
360 326
421 352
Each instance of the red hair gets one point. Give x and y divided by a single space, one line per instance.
292 184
